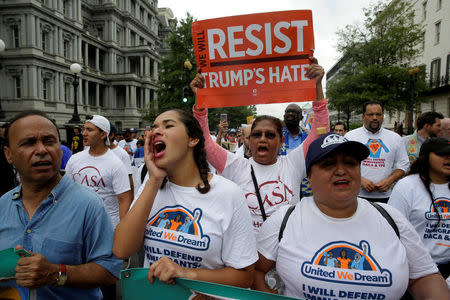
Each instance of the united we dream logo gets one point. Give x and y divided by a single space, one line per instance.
178 226
343 262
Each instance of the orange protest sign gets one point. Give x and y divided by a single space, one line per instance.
254 59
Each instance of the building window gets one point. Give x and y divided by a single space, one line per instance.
142 15
44 41
133 39
437 32
17 87
133 8
66 8
100 32
67 92
423 41
66 49
15 35
45 88
424 10
438 4
447 71
435 72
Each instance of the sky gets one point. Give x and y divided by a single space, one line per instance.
328 17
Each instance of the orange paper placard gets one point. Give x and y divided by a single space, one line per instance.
254 59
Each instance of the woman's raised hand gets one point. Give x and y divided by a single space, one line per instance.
149 157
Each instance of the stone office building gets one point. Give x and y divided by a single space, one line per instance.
117 43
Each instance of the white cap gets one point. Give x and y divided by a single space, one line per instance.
102 123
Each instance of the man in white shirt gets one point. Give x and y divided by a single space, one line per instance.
99 169
128 143
387 161
122 154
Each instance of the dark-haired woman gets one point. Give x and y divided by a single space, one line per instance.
424 198
278 177
218 246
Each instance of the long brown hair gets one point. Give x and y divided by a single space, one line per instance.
421 166
194 131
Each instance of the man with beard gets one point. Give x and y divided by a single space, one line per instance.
428 125
387 161
293 134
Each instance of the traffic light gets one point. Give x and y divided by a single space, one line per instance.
185 94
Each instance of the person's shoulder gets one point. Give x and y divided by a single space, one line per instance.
119 151
6 197
79 155
406 137
354 132
83 193
222 183
113 159
391 134
410 179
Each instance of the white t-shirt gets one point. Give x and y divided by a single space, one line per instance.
279 184
132 144
240 150
197 230
411 198
382 270
124 157
387 153
103 174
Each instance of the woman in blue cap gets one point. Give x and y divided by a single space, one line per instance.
335 219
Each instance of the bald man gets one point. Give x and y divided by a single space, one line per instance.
445 128
293 134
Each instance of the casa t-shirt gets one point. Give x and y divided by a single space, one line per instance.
386 153
412 199
384 263
279 183
219 233
103 174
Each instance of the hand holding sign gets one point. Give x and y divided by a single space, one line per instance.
166 271
35 271
259 58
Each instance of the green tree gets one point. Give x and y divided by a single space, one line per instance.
173 79
376 57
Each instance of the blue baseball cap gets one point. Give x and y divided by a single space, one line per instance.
330 142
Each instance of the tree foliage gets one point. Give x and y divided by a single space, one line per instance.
376 57
172 80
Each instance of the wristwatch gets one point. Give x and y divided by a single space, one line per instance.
62 275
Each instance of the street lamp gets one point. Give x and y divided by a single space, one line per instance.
75 69
2 48
412 89
187 69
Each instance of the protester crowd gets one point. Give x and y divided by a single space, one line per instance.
360 214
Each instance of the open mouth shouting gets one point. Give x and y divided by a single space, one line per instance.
43 164
341 183
159 148
262 149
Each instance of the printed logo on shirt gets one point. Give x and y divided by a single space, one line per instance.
441 206
347 263
178 226
90 176
273 193
376 146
